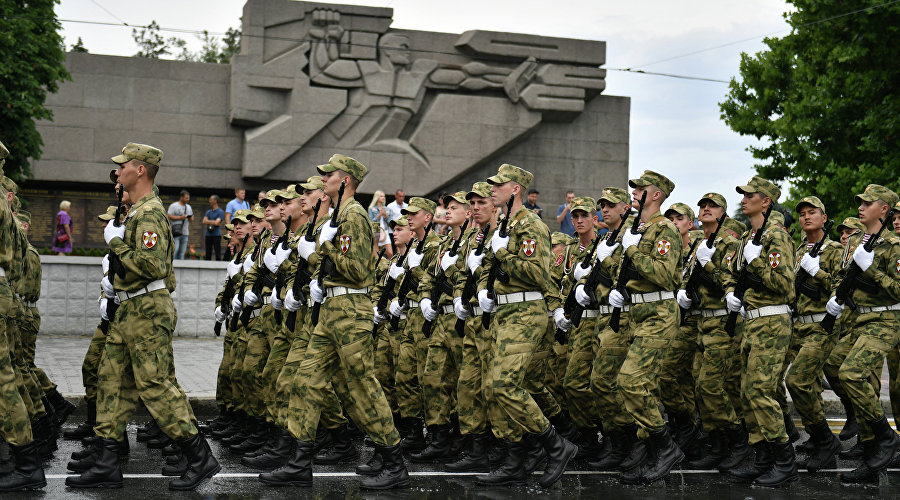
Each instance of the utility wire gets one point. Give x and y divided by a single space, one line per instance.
95 2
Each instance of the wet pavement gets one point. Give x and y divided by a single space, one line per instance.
143 480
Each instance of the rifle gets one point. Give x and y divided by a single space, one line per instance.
803 276
494 272
279 277
626 263
326 266
471 282
440 283
302 276
228 294
687 256
409 283
696 273
260 279
234 317
743 281
114 267
387 292
847 286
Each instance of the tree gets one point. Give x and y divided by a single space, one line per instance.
824 99
33 55
79 47
152 45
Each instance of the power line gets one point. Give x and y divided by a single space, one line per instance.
95 2
670 75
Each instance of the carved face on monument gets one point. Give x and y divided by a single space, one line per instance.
395 48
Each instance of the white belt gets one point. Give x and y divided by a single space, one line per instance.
644 298
590 313
152 287
2 273
692 312
266 300
875 309
713 313
254 313
516 297
413 304
447 309
337 291
31 304
607 310
768 311
476 311
810 318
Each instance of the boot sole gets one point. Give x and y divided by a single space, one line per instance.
650 480
206 476
25 487
301 484
789 480
556 475
398 484
108 485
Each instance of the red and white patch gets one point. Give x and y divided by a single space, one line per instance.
729 258
898 265
560 258
528 247
149 239
774 259
663 247
345 242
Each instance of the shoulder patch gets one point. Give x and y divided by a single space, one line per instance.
345 242
149 239
561 257
663 247
528 247
774 259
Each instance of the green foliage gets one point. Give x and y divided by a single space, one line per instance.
153 45
824 100
32 66
79 47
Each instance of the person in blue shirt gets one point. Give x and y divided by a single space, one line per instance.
213 221
564 215
236 204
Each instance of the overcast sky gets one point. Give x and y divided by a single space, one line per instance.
675 123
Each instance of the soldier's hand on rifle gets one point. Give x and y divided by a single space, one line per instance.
250 298
581 296
751 252
327 233
473 261
486 303
282 254
704 253
396 271
684 301
630 239
810 264
616 299
604 250
395 308
414 259
290 303
112 231
236 305
559 317
461 311
863 258
427 309
107 287
271 261
105 263
248 262
277 303
833 307
306 248
316 292
498 242
448 260
220 316
233 268
732 302
378 317
580 272
103 303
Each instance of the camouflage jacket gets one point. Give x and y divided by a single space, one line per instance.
773 270
470 243
351 249
656 259
453 274
712 277
879 285
415 291
289 267
32 290
146 250
812 295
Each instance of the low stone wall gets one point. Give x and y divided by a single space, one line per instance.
70 287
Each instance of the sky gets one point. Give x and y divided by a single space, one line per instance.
675 129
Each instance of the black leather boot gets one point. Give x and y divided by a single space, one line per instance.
638 453
277 455
476 459
255 440
668 455
564 426
179 467
393 472
686 433
414 438
851 428
341 450
886 444
761 464
297 472
246 427
620 447
61 406
511 471
28 474
272 434
85 428
559 453
784 470
323 439
159 442
43 436
104 473
372 467
236 425
534 453
738 448
826 446
201 463
149 431
588 442
438 448
93 443
718 450
863 473
790 428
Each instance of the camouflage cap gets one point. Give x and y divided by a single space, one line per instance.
9 185
242 215
288 194
313 183
16 204
258 212
402 221
558 238
875 192
851 223
142 152
24 216
776 217
614 195
417 203
681 208
227 236
459 197
480 189
650 177
585 204
272 196
759 185
109 214
345 163
716 198
229 227
508 172
812 201
734 225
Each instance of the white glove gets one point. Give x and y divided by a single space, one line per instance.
105 263
751 252
396 271
327 233
250 298
395 308
427 311
103 315
630 239
316 292
306 248
487 304
236 305
732 302
220 316
810 264
616 299
276 302
581 296
459 309
414 259
704 253
579 272
290 303
559 317
248 262
498 242
604 250
378 317
271 261
863 258
448 260
473 261
684 301
833 307
107 287
111 231
119 302
233 269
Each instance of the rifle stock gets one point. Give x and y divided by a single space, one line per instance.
228 294
743 282
691 286
438 289
626 263
493 274
471 282
326 263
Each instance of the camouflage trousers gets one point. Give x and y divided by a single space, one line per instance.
441 376
254 362
893 364
236 371
15 423
30 388
137 363
611 352
341 349
653 325
387 356
558 364
763 352
677 384
580 399
846 337
519 330
879 333
278 351
91 364
810 347
224 395
473 417
718 382
30 328
410 366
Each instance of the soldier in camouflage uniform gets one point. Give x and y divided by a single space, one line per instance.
136 361
893 357
767 335
563 247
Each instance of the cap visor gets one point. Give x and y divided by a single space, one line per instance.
745 190
324 169
497 179
636 183
410 210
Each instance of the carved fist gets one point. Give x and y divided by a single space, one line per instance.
326 25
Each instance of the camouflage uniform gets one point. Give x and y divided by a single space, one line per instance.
558 363
387 348
261 330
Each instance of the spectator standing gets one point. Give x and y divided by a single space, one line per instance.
213 221
531 202
564 215
181 215
236 204
396 206
440 216
260 196
62 240
378 213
